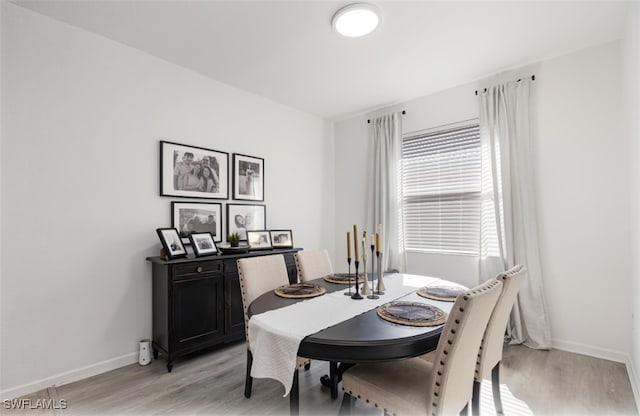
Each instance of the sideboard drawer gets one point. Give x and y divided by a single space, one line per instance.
181 271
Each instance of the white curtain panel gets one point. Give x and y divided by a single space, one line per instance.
385 188
509 233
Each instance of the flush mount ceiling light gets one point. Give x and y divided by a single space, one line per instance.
357 19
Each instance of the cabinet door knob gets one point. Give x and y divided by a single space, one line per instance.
199 269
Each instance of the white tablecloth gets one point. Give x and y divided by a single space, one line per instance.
274 336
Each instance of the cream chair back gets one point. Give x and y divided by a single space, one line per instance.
491 352
455 358
259 275
313 264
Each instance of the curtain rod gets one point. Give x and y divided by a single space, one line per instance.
533 78
403 113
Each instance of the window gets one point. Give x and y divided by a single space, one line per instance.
441 180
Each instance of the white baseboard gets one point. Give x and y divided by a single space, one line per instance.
69 376
633 378
605 353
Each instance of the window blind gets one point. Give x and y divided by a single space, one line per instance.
441 179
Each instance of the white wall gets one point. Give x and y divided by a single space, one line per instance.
83 116
350 184
632 94
583 178
582 170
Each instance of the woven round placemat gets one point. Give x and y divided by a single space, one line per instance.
300 290
344 278
412 313
441 292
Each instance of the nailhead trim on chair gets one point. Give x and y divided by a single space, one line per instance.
298 268
450 338
501 276
375 404
244 304
311 258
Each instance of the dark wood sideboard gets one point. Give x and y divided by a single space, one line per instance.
197 301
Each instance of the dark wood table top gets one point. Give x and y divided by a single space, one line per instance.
363 338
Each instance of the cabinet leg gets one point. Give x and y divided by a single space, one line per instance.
155 354
169 366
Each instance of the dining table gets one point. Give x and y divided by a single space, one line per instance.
338 329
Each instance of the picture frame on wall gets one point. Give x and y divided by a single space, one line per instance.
197 217
248 178
259 240
281 238
171 243
203 244
193 172
243 217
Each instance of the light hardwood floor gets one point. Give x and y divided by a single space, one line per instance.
533 382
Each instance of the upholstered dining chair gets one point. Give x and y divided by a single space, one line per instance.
313 264
490 353
417 386
259 275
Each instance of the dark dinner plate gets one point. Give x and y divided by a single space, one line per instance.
441 292
412 313
300 290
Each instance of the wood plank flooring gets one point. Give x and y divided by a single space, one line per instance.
561 383
212 383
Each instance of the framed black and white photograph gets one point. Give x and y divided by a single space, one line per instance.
242 218
259 240
203 244
197 217
281 238
248 178
171 242
193 172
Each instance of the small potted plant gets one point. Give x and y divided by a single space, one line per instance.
233 239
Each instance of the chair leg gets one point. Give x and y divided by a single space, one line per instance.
307 366
347 404
475 398
333 377
495 386
294 400
248 381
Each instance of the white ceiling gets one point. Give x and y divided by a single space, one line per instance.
287 51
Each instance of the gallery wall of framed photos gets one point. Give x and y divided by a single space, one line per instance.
195 172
